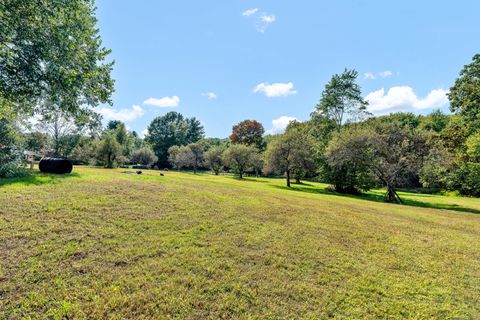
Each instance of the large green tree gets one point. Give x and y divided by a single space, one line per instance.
465 94
342 99
51 56
170 130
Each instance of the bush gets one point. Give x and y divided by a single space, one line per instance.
144 156
466 179
11 170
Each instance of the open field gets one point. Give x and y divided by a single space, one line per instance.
102 244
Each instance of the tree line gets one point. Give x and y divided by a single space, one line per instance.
54 68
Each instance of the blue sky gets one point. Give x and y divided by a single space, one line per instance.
226 61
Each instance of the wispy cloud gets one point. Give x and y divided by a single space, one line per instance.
125 115
403 98
210 95
165 102
279 125
263 20
249 12
376 75
275 89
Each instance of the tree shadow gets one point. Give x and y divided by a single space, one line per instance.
37 178
377 197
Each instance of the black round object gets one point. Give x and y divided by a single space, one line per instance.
55 165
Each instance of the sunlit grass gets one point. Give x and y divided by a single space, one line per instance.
103 244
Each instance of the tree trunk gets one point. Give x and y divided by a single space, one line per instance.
288 178
194 169
240 173
391 195
297 180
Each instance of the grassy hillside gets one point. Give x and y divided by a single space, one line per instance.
102 244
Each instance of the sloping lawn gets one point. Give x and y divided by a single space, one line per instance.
103 244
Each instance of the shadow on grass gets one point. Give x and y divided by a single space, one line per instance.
38 178
377 197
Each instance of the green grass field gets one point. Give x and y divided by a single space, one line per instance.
102 244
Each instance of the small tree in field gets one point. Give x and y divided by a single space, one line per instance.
144 156
291 154
190 156
213 159
173 152
239 158
257 162
109 150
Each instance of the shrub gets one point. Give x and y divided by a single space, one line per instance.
11 170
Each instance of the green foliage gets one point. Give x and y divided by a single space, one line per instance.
466 179
390 153
170 130
36 141
291 153
248 132
213 159
239 158
436 121
189 156
437 167
8 141
342 99
11 170
400 120
347 167
208 143
51 51
144 156
465 94
85 151
109 150
473 147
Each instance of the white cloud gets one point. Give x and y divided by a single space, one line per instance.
249 12
275 89
144 133
385 74
165 102
403 98
373 75
210 95
123 114
265 21
279 125
268 18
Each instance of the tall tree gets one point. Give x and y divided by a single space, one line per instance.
342 99
465 94
51 54
248 132
58 127
170 130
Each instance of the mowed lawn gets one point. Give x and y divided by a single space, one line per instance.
103 244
